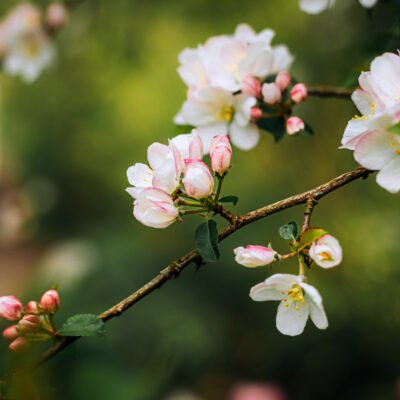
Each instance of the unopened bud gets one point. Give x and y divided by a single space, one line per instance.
10 308
251 86
299 93
50 301
11 332
294 125
19 344
198 180
220 154
271 93
32 307
56 15
29 323
255 113
283 80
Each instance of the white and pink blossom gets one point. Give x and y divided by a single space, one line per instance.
326 251
215 111
283 80
272 93
376 146
317 6
299 93
155 208
294 125
197 180
254 256
11 308
298 301
220 154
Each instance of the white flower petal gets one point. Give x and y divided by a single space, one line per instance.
282 282
315 6
389 176
139 175
291 321
157 154
263 292
244 137
315 307
368 3
373 150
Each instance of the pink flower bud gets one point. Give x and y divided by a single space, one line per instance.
283 80
271 93
32 307
294 125
29 323
10 308
326 252
254 256
50 301
19 344
155 208
11 332
56 15
198 180
255 113
299 93
220 154
251 86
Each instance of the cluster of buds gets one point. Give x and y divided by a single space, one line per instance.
177 181
299 300
278 97
33 322
25 38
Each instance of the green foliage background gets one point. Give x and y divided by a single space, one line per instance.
114 91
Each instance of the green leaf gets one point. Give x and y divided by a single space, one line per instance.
229 199
310 235
206 238
276 126
289 231
395 128
307 131
82 325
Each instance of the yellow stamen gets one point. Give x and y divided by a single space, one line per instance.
225 114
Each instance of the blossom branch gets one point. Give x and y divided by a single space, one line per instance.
329 92
236 222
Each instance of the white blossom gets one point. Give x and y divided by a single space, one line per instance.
298 301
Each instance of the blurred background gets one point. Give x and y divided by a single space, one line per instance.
66 142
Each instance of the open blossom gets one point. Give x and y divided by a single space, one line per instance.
254 256
220 154
25 46
326 251
215 111
198 180
225 61
223 77
317 6
155 208
298 301
164 171
10 308
189 145
375 146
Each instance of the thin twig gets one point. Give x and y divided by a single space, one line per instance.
238 222
311 203
328 92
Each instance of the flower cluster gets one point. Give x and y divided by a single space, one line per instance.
34 320
25 43
177 181
375 135
317 6
298 299
224 78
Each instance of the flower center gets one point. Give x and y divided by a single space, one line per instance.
225 114
395 144
325 256
295 295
